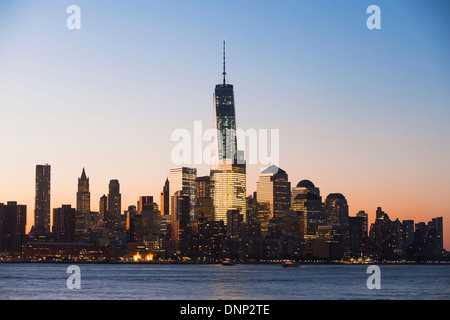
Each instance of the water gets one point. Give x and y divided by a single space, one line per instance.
216 282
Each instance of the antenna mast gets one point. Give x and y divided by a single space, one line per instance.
224 73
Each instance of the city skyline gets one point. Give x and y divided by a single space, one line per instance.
377 136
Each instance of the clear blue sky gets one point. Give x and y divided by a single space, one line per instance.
362 112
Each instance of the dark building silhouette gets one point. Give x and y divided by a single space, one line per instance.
386 236
42 199
103 207
336 209
13 219
357 236
113 212
330 242
165 199
63 229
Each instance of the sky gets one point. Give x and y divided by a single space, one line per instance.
361 112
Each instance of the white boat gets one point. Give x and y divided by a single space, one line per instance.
289 264
227 262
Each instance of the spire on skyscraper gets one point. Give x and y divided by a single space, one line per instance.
224 73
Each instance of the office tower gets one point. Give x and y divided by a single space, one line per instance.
103 207
273 187
180 219
42 200
204 206
113 213
135 225
83 194
365 216
165 199
64 224
225 121
13 219
336 209
149 211
228 173
183 179
304 186
229 190
308 200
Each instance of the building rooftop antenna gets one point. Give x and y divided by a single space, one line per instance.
224 73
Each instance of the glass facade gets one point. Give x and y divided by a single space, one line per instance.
225 122
273 187
336 209
183 179
229 191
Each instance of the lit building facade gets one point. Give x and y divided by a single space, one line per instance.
309 201
336 209
183 179
229 191
64 220
273 187
228 173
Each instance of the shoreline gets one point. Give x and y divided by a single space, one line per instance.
299 263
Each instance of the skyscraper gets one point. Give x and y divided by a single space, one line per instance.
64 224
273 187
183 179
204 204
304 186
180 219
228 173
308 199
336 209
365 216
103 207
165 199
229 190
114 206
42 199
13 219
225 120
83 194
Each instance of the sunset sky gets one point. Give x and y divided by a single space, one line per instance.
361 112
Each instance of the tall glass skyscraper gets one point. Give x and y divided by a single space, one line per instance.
114 207
228 175
274 187
183 179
